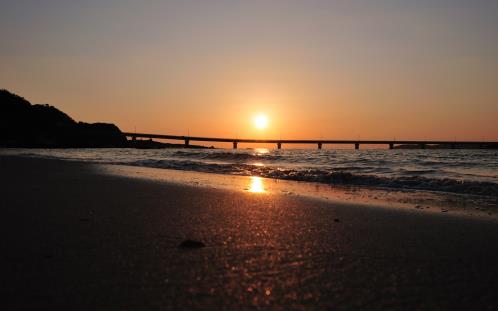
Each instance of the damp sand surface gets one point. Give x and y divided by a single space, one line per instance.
75 236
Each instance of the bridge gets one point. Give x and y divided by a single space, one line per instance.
319 143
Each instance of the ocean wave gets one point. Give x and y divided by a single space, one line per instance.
227 156
373 169
332 177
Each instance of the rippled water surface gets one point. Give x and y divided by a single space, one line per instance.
456 171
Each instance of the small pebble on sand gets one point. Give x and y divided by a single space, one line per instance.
191 244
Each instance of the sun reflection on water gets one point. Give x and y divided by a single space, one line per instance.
256 185
261 151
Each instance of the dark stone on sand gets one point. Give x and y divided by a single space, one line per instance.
191 244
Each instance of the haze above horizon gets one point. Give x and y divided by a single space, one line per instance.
261 69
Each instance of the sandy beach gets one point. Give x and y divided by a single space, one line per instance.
75 238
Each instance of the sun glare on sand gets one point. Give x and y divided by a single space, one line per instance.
256 185
261 121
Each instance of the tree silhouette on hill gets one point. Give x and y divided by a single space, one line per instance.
43 126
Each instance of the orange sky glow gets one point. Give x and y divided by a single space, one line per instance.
331 70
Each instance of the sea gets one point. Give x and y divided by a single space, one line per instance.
468 172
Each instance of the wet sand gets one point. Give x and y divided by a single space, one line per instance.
72 237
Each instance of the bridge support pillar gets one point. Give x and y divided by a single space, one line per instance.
279 145
422 146
452 146
319 145
357 146
235 145
134 138
187 142
391 146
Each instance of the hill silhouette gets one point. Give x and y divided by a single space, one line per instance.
43 126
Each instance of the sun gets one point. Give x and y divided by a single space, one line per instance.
261 121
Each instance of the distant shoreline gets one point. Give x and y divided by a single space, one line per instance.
152 144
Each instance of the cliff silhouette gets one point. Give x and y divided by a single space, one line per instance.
42 126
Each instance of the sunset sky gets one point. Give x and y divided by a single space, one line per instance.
424 69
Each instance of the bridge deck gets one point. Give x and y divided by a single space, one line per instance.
319 142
